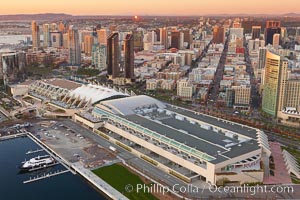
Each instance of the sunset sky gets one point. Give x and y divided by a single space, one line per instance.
149 7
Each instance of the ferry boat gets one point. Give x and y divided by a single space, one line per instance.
39 162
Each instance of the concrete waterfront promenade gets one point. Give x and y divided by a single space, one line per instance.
98 182
281 175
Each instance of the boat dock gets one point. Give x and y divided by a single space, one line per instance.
44 176
36 151
8 137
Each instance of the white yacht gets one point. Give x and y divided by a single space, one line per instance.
38 162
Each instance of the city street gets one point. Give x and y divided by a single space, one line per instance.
214 92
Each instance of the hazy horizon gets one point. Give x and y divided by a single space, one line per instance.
158 15
149 7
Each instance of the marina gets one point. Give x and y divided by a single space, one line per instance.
46 161
13 151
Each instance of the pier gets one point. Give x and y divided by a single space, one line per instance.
44 176
8 137
36 151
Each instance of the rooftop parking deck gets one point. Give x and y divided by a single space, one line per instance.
195 130
178 136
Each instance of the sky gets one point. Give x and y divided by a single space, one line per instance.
149 7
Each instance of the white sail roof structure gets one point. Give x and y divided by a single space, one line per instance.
94 93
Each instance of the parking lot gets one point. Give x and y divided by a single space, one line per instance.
71 145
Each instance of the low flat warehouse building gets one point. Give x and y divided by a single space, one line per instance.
188 145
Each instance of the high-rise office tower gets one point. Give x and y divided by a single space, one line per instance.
129 57
255 44
175 39
274 83
82 35
256 32
46 33
35 30
88 44
53 27
12 67
283 33
297 37
272 27
164 37
103 33
74 46
65 40
272 24
270 33
262 57
56 39
149 39
62 27
188 38
138 40
157 31
218 35
113 56
276 39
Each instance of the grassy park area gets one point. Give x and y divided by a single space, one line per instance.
119 177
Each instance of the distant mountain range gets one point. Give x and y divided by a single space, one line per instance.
292 14
62 16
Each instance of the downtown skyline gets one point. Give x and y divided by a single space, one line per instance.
144 7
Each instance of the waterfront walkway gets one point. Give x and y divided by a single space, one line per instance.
281 175
98 182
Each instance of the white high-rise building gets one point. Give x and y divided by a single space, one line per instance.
99 56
